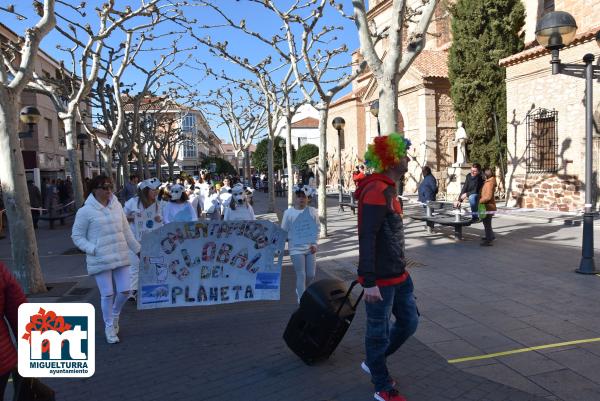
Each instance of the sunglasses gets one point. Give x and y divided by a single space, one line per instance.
106 187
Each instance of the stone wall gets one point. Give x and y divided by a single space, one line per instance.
549 191
530 85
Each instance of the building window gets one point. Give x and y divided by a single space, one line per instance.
188 123
62 141
189 149
48 133
542 141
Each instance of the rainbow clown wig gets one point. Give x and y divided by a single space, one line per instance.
386 151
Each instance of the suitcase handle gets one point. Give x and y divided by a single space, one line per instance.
354 283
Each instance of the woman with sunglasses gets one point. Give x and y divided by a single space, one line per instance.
101 230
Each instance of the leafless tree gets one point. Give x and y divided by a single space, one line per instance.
388 70
241 113
311 54
16 69
87 50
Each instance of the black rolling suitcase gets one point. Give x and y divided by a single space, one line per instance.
325 313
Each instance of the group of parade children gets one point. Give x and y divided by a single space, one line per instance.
110 235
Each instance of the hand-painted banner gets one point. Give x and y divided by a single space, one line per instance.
305 229
210 262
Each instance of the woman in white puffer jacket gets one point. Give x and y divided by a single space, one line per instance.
101 230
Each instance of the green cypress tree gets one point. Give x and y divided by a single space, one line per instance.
483 32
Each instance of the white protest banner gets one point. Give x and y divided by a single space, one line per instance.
305 229
210 262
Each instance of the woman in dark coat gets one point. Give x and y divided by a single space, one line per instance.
428 187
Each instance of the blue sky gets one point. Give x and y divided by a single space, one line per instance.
255 16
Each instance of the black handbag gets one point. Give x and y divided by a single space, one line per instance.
31 389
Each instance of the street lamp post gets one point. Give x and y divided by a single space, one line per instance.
29 115
554 31
339 124
374 109
82 137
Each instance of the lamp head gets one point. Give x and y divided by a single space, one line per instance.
374 108
556 30
30 115
81 137
338 123
282 143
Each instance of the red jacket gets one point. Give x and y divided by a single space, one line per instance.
11 296
381 259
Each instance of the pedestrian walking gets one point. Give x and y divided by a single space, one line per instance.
471 190
11 296
101 230
239 207
428 187
488 199
179 209
303 254
212 206
225 196
144 215
130 189
358 175
35 201
382 265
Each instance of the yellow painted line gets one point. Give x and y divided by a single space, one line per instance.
521 350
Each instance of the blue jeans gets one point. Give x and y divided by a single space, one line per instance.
474 203
381 340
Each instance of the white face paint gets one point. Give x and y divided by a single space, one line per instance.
238 194
176 192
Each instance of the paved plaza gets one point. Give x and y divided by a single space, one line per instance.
474 301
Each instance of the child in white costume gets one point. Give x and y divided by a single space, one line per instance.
144 215
239 207
179 208
303 255
212 206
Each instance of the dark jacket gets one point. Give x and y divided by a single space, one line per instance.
428 189
11 296
35 197
380 233
472 185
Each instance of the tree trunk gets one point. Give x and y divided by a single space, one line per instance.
388 106
126 169
74 168
247 166
271 173
157 166
140 162
171 171
323 111
24 251
106 154
288 150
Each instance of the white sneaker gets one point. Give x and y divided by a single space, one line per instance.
364 367
111 336
116 323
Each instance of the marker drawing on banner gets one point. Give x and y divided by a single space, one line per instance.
304 229
210 262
